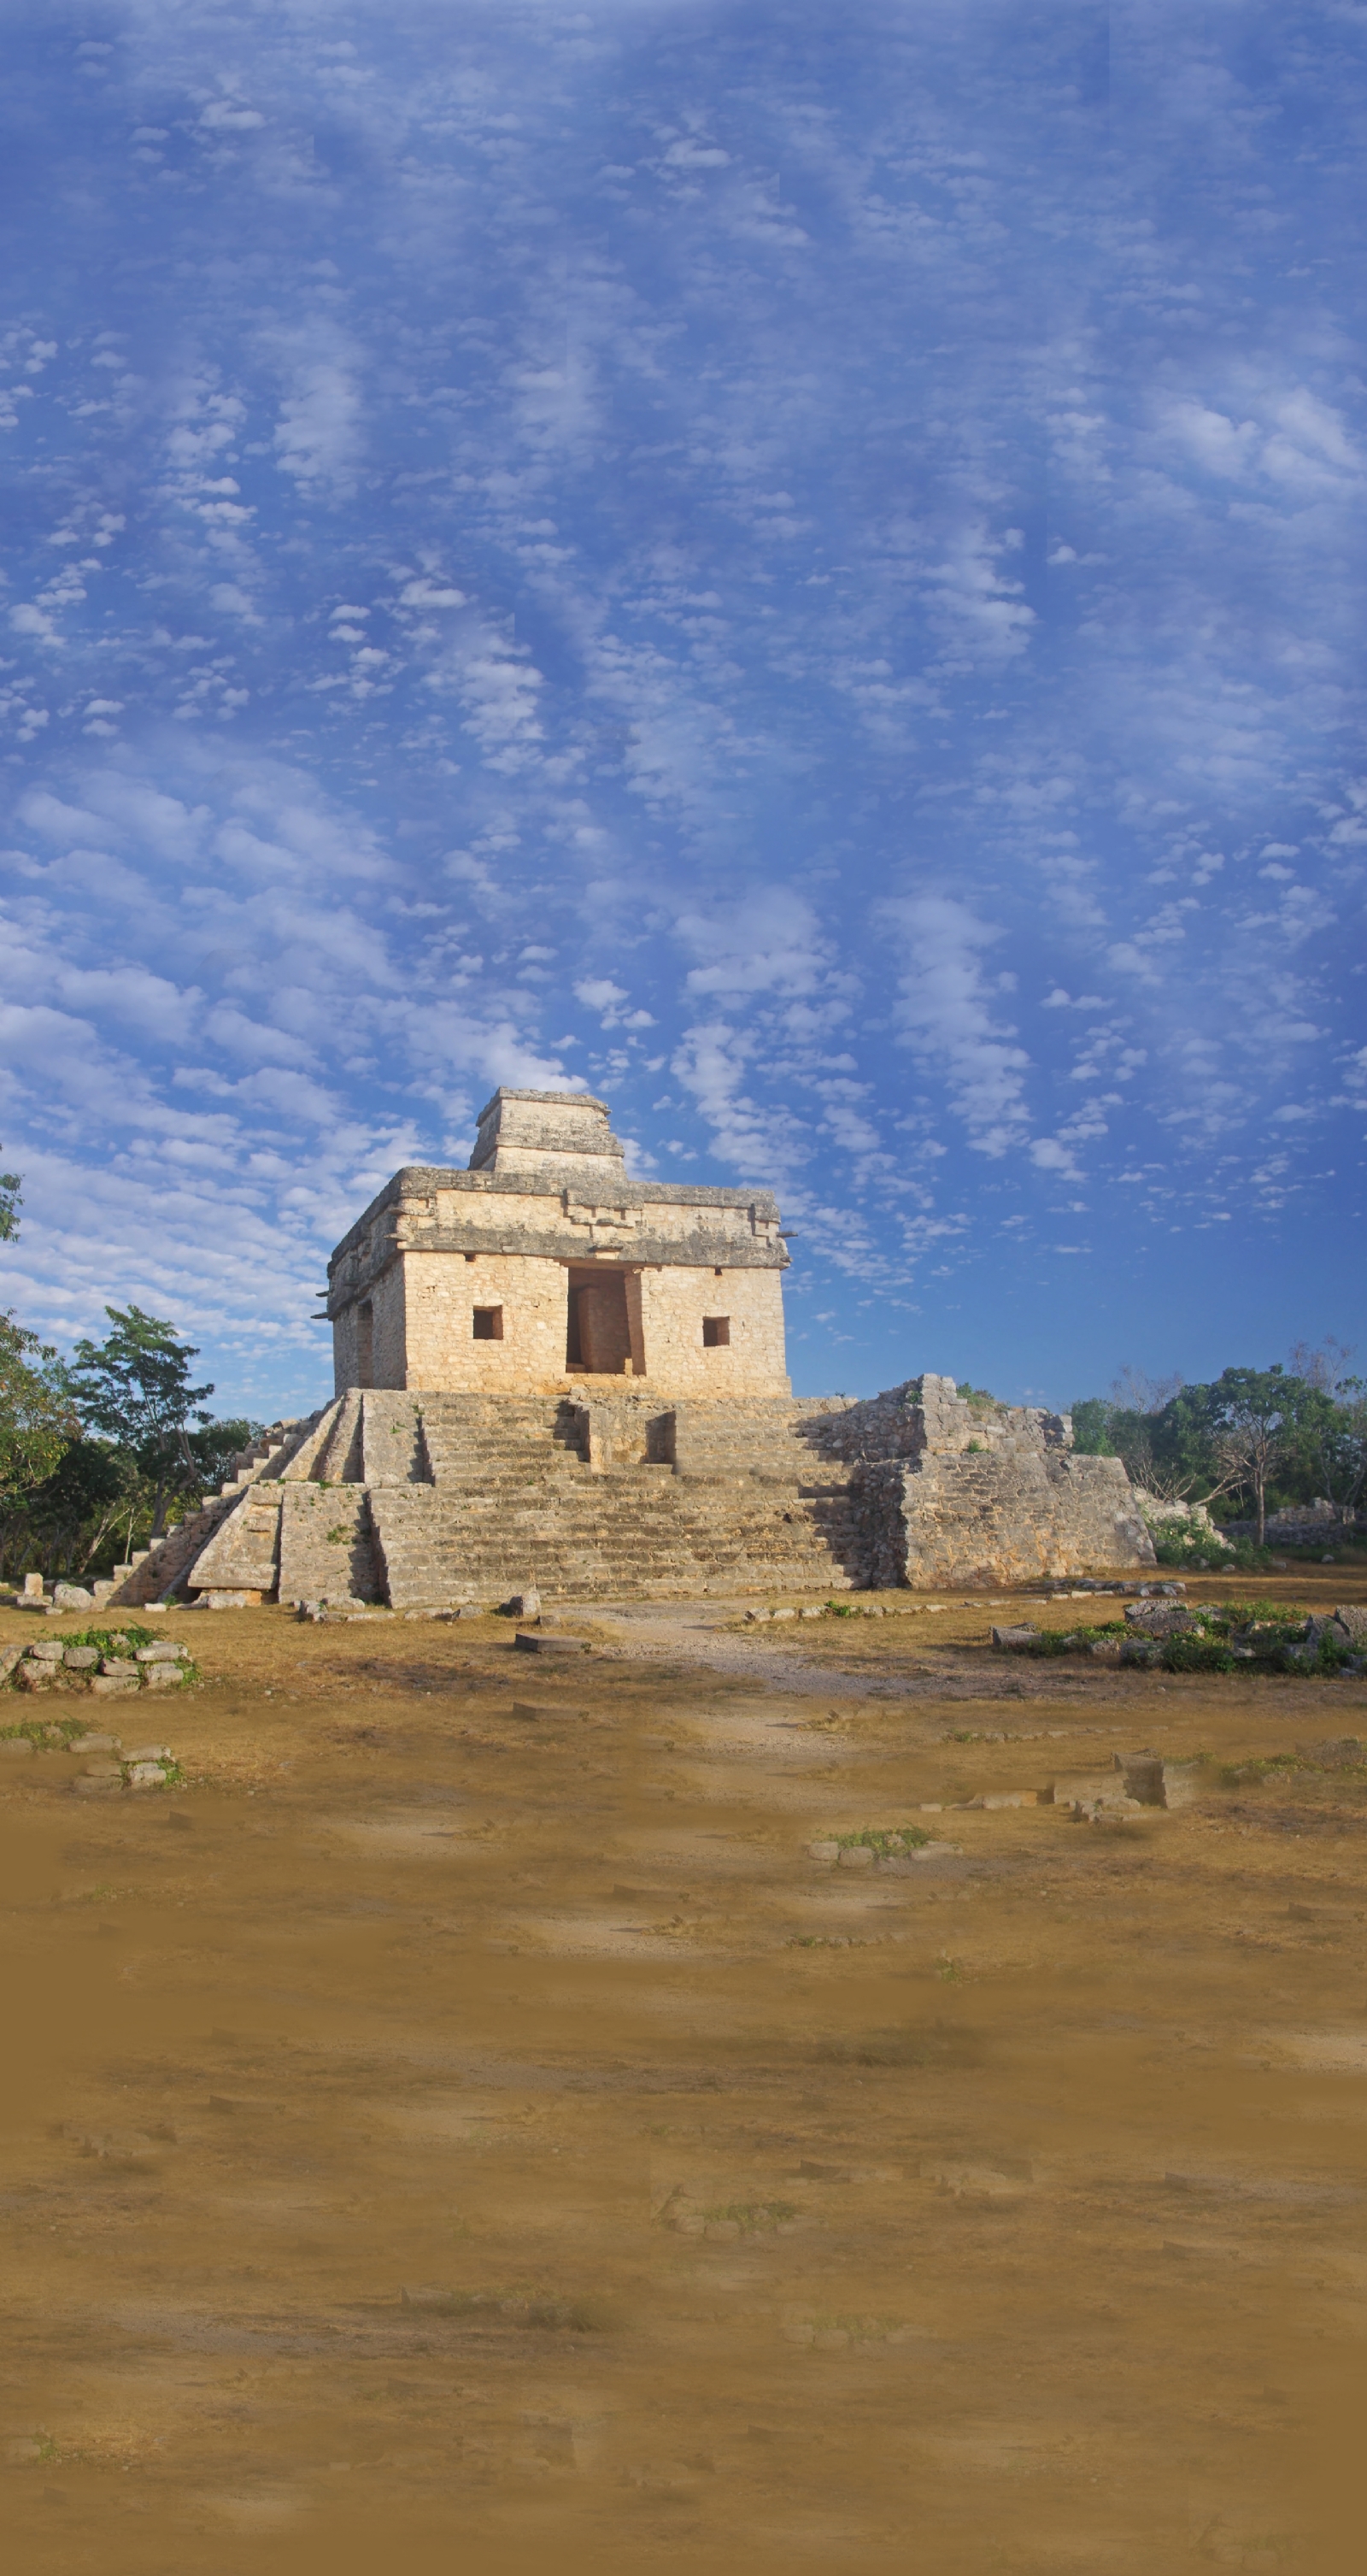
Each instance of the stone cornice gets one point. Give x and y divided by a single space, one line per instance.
425 1180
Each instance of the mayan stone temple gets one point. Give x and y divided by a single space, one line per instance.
548 1374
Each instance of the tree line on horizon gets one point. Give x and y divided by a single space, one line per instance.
101 1452
1247 1443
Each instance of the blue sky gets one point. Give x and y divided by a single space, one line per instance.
798 565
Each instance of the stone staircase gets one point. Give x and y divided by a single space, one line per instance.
501 1495
428 1501
158 1573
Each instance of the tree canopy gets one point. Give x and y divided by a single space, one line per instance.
135 1387
1264 1435
37 1414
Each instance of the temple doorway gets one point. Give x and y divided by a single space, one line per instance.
598 1338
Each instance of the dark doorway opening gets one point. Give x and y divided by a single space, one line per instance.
598 1330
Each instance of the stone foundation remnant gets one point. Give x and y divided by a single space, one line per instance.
547 1373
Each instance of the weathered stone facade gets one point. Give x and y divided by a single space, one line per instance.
542 1263
548 1374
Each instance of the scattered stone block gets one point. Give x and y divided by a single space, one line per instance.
1013 1639
120 1667
109 1685
1160 1619
96 1744
1011 1798
150 1753
855 1856
163 1676
49 1650
754 1616
1181 1781
72 1596
35 1677
1142 1774
230 1600
146 1775
812 1613
167 1650
534 1643
32 1587
526 1605
81 1659
784 1614
1106 1650
545 1708
1085 1788
828 1852
15 1748
9 1657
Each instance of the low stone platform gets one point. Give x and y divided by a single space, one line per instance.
422 1500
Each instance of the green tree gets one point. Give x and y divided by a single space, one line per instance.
68 1518
10 1201
1091 1419
1255 1419
135 1388
1332 1441
37 1415
215 1448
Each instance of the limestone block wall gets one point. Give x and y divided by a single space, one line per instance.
929 1414
244 1555
369 1336
674 1302
441 1293
1005 1519
422 1313
327 1545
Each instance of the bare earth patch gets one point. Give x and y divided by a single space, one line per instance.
612 2137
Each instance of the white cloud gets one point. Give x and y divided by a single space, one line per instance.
319 434
946 1017
770 942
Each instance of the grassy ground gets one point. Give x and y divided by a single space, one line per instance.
492 2142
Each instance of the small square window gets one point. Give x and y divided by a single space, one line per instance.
488 1323
716 1332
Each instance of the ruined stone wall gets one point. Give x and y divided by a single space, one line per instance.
927 1414
1011 1518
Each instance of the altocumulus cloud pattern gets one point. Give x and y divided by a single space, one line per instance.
797 565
